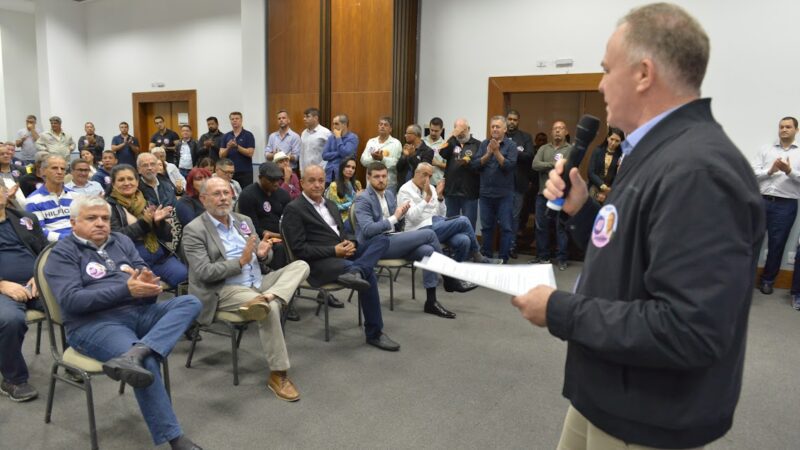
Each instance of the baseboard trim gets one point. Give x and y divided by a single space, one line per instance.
782 281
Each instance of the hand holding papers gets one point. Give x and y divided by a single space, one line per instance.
512 280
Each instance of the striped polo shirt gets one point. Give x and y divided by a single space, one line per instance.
52 211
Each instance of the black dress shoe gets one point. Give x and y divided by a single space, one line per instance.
765 288
353 280
437 309
334 302
291 313
513 253
384 343
454 285
128 369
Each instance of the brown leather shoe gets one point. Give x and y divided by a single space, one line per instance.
254 311
282 386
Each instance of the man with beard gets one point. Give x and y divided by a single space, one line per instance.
212 140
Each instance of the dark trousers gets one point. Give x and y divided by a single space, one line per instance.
781 213
543 224
364 261
156 325
166 266
413 246
12 333
462 206
496 211
244 178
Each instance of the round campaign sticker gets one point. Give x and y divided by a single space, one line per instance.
107 180
15 173
166 141
558 156
468 154
267 208
520 148
18 163
385 153
95 270
244 228
457 150
27 223
85 142
605 225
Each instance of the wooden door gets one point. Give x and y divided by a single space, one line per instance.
176 107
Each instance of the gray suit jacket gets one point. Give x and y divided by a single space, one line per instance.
208 268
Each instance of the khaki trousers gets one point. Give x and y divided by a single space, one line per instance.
280 283
580 434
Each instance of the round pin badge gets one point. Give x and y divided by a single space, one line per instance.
605 225
267 207
558 156
244 228
27 223
520 148
107 179
95 270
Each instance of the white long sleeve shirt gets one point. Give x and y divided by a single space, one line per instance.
421 212
778 184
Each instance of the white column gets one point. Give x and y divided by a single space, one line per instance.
254 72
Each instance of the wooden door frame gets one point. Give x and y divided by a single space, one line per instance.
501 87
140 98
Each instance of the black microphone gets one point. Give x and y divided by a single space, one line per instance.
585 134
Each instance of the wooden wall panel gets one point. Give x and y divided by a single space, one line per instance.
293 61
361 64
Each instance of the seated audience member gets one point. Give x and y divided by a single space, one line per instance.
11 170
427 210
313 229
604 163
88 156
21 241
107 296
80 182
50 202
103 173
224 252
289 181
189 205
225 170
462 182
157 188
341 144
414 152
343 191
172 171
208 164
384 148
92 142
373 217
188 151
35 176
145 224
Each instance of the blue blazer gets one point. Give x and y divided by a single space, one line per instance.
369 217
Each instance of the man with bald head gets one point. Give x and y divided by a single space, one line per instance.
313 229
462 182
656 324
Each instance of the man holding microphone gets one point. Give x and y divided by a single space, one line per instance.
656 326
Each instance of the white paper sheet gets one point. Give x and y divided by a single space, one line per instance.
510 279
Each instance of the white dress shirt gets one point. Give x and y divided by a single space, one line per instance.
778 184
322 210
312 142
421 212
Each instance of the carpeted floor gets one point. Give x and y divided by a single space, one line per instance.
488 379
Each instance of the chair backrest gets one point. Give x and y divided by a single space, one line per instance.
352 218
52 310
286 245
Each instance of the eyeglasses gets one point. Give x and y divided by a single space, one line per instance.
229 173
82 170
221 194
109 262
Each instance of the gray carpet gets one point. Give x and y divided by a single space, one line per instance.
488 379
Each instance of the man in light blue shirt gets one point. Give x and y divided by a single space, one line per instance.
284 140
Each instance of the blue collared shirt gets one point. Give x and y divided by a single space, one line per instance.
234 244
289 144
632 139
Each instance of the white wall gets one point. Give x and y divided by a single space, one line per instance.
20 93
751 74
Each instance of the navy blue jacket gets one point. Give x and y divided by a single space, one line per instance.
497 181
86 284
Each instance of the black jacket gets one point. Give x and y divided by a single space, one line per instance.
197 152
597 165
33 239
461 180
406 165
525 155
165 195
657 326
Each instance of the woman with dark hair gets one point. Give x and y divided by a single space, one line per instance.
207 163
148 226
88 156
603 164
343 191
189 206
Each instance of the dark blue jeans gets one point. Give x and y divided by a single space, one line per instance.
156 325
364 261
467 207
544 221
780 218
496 211
458 234
413 246
12 333
168 267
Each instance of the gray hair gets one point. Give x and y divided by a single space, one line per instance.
55 119
204 184
142 156
416 129
81 201
40 157
46 161
159 150
673 39
423 165
499 119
